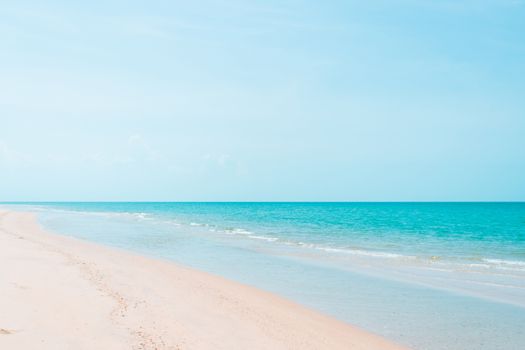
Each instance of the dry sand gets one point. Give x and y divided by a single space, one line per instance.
57 292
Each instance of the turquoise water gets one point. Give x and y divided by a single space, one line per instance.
428 275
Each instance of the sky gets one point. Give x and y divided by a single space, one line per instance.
228 100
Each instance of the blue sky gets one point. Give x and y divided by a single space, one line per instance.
262 100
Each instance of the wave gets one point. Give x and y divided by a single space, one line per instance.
236 231
265 238
451 263
505 262
366 253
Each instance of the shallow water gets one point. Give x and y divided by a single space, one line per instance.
429 275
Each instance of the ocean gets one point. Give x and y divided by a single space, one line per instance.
427 275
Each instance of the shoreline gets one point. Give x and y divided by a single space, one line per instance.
63 293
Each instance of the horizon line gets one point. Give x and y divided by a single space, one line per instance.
265 201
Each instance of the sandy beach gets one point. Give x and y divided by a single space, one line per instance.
62 293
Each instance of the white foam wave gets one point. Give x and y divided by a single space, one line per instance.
505 262
237 231
358 252
142 216
198 224
241 231
265 238
485 266
365 253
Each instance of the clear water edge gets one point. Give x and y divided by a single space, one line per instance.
429 275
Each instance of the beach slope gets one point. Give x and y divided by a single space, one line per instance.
58 292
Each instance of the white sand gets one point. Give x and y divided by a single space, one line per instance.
58 292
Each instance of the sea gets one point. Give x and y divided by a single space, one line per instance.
427 275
